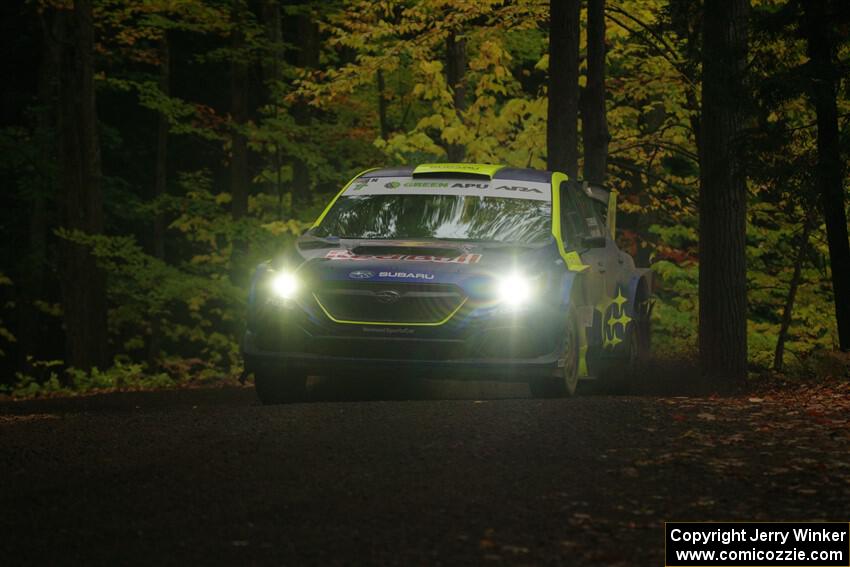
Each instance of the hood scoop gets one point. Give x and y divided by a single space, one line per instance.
387 250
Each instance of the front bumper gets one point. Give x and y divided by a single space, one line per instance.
482 342
489 348
467 368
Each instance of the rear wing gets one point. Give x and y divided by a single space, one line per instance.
608 201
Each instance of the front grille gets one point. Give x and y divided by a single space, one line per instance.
371 302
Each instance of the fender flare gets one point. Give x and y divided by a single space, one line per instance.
643 278
583 316
567 288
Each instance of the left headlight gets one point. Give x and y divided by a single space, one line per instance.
284 285
515 289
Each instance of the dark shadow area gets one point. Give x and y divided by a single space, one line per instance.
398 388
119 402
672 377
659 377
663 377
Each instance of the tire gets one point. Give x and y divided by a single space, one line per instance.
644 329
639 354
620 375
566 382
279 387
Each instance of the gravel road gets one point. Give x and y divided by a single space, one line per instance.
209 476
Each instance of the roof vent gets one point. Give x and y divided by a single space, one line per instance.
466 170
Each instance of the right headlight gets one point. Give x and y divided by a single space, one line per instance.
515 289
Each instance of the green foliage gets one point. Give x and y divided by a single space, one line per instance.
675 313
120 376
771 252
191 309
176 318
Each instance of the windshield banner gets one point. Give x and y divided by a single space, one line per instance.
505 188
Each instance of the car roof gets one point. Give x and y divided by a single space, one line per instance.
464 170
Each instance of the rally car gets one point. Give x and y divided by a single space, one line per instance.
452 270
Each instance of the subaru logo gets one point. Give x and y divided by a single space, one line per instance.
387 296
361 275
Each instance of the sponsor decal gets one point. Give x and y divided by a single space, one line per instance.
349 255
361 275
448 185
519 188
614 321
408 186
361 184
425 184
406 275
389 330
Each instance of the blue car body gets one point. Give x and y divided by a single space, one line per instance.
433 306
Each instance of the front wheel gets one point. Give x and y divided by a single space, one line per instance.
565 383
620 376
280 387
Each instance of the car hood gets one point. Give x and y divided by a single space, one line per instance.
418 261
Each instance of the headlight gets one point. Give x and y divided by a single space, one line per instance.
284 285
514 289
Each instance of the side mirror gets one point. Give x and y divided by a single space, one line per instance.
594 242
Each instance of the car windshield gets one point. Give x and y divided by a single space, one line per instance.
389 210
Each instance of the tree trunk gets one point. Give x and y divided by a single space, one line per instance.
272 23
161 179
382 106
308 58
723 194
455 70
830 174
83 283
594 123
30 319
239 175
274 34
788 309
562 119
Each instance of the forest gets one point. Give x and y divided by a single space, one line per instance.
155 151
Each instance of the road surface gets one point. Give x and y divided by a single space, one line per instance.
211 477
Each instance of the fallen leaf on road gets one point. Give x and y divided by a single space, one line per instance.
630 472
515 549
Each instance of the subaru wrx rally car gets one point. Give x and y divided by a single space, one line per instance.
452 270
